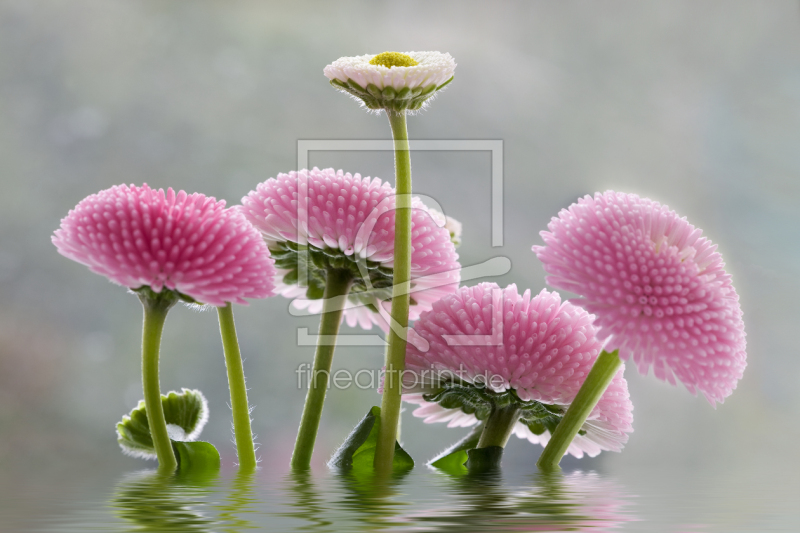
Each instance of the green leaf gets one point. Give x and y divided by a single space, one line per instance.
453 459
196 456
343 456
484 459
358 450
185 413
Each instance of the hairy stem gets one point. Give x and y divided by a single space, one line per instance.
499 426
589 394
243 433
396 351
155 313
337 286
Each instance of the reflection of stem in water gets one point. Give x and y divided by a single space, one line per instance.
373 497
309 506
240 500
551 502
153 501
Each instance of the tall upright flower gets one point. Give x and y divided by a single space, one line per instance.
392 80
396 83
168 247
657 286
332 234
513 363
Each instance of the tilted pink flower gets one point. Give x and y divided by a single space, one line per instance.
658 288
538 346
350 219
138 236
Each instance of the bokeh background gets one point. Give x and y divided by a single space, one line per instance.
695 104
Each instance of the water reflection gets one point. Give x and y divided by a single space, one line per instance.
550 502
153 501
375 502
475 502
240 501
344 501
306 503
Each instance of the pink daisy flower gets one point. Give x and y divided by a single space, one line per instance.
346 221
168 247
658 288
191 244
536 351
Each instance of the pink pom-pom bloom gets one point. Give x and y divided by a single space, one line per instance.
188 243
498 340
347 221
658 289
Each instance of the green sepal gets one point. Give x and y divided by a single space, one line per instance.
374 91
371 280
185 414
370 102
430 89
160 301
403 94
358 450
484 459
389 93
196 456
167 297
453 459
442 86
480 401
354 86
389 98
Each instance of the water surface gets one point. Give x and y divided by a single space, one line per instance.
423 500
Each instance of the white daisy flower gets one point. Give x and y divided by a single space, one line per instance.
391 80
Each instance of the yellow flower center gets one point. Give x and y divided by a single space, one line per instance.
393 59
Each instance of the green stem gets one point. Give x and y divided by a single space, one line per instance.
337 286
589 394
239 406
396 351
499 426
155 313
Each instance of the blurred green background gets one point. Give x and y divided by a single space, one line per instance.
695 104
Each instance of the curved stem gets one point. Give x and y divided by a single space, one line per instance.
589 394
241 409
155 313
499 426
337 286
396 351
